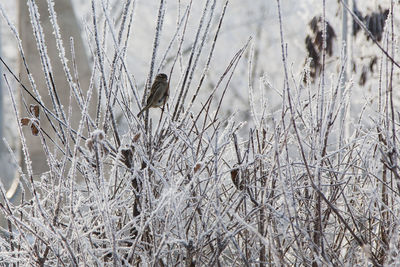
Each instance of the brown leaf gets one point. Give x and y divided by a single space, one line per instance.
235 178
25 121
89 144
144 165
197 167
34 129
127 157
34 110
136 137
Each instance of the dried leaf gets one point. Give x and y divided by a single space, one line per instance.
89 144
127 155
235 177
144 165
197 167
34 129
25 121
34 110
136 137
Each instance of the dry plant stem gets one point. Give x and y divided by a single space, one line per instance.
99 64
164 60
40 42
232 65
393 153
30 181
359 240
123 54
199 193
160 22
203 40
70 130
38 33
318 231
238 56
61 50
187 78
107 86
21 52
109 115
209 57
37 98
75 67
175 58
182 38
39 102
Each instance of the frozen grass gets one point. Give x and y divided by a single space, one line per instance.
302 188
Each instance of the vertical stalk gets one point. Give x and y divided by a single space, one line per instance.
343 81
1 100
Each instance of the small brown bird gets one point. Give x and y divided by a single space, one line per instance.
159 93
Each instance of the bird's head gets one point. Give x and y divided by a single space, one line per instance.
161 77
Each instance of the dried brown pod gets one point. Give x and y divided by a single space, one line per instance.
89 144
34 123
97 144
34 128
34 109
235 179
144 165
97 135
136 138
197 167
127 157
25 121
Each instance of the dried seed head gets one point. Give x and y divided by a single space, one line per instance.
89 144
197 167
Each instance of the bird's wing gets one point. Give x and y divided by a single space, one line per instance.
159 93
153 92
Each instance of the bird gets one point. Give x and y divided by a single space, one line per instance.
159 93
